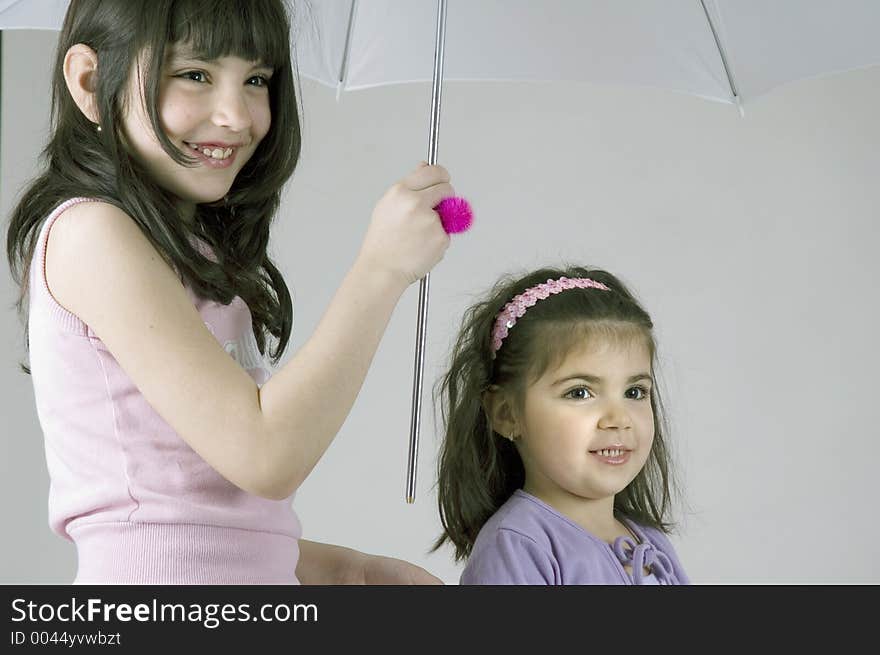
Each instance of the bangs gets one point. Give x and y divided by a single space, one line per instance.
559 339
210 29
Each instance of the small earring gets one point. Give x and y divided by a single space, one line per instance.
98 128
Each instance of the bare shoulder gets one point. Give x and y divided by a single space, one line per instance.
92 247
94 221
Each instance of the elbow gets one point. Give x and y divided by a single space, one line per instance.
278 478
275 469
271 489
274 493
278 490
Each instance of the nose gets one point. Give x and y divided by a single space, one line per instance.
232 110
614 417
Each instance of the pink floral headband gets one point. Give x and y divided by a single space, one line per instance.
515 309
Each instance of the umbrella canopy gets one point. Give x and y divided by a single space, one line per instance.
724 50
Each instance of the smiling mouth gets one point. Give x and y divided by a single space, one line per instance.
612 456
610 452
213 153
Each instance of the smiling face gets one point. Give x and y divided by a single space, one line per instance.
586 426
216 111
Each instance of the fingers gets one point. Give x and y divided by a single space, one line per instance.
406 236
425 176
432 196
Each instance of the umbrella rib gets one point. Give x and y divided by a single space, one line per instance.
721 52
9 6
346 53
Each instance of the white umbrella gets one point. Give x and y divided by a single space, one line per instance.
730 51
725 50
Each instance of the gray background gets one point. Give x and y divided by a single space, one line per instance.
751 240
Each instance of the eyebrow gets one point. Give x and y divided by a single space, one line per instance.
177 56
593 379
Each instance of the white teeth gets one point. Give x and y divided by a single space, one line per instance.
611 452
215 153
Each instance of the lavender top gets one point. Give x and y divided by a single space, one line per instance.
528 542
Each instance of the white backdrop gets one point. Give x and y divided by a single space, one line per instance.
751 240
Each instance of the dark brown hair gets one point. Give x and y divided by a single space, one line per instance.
478 469
83 162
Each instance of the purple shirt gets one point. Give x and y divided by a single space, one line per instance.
527 542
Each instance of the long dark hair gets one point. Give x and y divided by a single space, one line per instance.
478 469
81 161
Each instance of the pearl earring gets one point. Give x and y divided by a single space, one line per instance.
98 128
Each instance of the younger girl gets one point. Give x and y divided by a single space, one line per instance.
554 468
142 255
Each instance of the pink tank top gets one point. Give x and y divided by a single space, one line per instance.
141 506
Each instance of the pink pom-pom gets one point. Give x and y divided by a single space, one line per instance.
455 214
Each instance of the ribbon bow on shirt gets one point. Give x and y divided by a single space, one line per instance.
640 556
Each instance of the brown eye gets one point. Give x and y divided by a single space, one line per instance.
189 75
263 81
637 393
579 393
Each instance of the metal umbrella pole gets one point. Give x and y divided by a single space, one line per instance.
424 283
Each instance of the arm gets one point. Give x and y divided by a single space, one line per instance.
266 441
325 564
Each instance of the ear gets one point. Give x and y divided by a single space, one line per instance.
500 410
80 74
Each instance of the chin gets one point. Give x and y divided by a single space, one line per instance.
607 490
204 198
208 200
